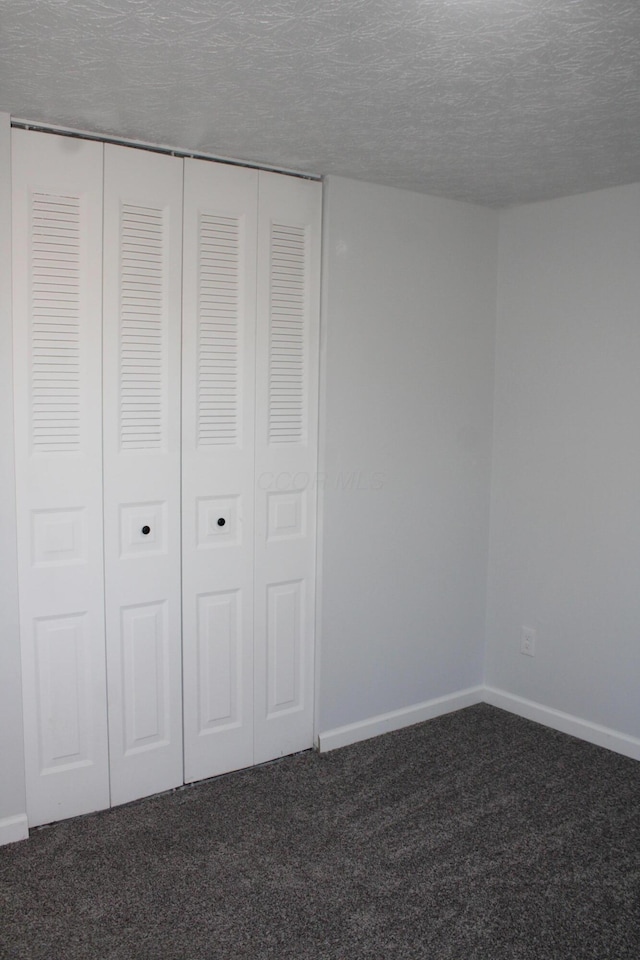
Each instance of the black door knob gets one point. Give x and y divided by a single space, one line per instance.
221 522
146 529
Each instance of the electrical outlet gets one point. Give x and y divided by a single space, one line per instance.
528 642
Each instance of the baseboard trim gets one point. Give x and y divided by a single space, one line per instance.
13 829
594 733
564 722
396 719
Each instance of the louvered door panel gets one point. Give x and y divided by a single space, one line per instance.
143 327
289 215
220 288
220 204
288 321
142 283
57 235
55 322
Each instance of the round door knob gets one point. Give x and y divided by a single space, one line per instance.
221 522
146 529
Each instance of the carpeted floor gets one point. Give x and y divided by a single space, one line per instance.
476 836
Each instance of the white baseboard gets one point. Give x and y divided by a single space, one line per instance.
13 829
386 722
564 722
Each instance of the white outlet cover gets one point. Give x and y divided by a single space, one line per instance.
528 642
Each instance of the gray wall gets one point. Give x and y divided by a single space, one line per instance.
12 789
565 532
408 315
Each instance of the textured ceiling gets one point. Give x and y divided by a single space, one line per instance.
493 101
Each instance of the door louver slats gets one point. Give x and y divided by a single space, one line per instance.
218 329
142 328
55 323
287 334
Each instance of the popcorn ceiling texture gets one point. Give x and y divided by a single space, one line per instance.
493 101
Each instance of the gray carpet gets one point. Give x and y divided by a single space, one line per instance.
476 836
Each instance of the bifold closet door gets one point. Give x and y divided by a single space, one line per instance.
220 213
289 217
57 263
142 308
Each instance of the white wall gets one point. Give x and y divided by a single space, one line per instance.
565 540
12 789
408 324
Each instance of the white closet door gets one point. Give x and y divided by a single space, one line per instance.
289 214
57 230
220 208
142 293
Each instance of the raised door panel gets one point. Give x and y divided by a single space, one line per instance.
57 263
220 206
289 215
142 311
